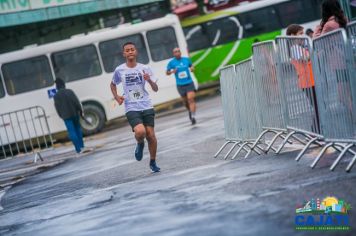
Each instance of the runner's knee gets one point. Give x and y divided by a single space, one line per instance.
190 100
140 132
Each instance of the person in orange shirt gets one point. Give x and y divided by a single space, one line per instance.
300 59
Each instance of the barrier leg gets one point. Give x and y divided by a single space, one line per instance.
340 156
305 148
284 137
258 152
239 150
231 149
222 148
321 154
352 162
253 149
272 142
37 156
300 140
284 142
256 143
337 147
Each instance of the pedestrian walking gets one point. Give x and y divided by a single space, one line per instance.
70 109
138 107
182 67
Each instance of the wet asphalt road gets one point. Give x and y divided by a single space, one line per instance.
109 193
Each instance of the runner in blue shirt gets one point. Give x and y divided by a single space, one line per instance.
139 110
181 68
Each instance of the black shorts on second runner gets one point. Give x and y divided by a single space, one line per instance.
145 117
184 89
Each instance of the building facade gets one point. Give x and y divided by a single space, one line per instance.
35 22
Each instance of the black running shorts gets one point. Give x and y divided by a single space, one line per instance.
184 89
145 117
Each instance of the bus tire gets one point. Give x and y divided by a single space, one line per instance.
95 119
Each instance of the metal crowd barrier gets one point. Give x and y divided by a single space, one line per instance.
331 64
297 93
248 102
24 131
351 30
270 100
228 98
239 125
296 79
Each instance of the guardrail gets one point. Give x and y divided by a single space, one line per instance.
298 92
24 131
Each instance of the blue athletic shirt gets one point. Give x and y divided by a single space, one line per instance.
182 75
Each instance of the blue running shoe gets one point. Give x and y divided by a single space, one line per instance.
154 167
139 151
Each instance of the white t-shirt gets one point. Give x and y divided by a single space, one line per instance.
135 93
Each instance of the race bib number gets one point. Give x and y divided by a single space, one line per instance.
182 75
136 94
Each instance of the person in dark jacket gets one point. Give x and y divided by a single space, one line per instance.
69 109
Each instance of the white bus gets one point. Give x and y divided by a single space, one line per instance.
87 63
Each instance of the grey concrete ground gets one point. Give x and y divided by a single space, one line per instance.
107 192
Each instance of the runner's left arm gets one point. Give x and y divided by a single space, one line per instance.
150 78
191 65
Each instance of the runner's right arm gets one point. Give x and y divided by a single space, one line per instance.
116 80
117 97
170 69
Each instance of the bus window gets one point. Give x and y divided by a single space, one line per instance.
27 75
111 51
197 37
259 21
223 30
296 12
2 91
76 63
161 43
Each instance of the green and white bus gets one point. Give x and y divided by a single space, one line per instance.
225 37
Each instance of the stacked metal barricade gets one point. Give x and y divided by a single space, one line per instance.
24 131
239 101
295 92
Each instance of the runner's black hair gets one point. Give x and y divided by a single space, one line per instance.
128 43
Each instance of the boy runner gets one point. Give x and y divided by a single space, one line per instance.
138 107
